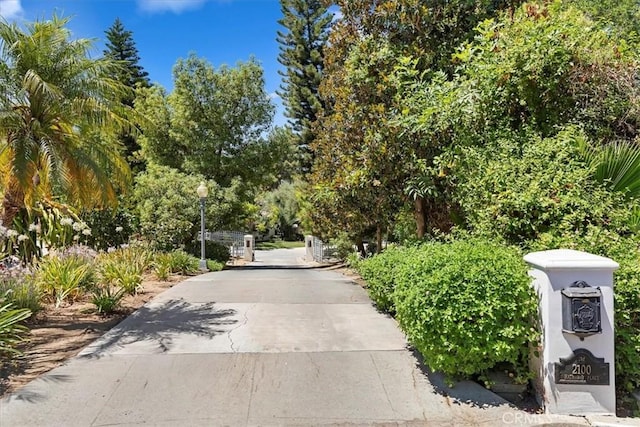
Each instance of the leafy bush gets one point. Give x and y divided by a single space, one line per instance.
215 265
109 228
11 331
344 246
65 278
380 274
466 306
518 190
213 250
173 220
107 298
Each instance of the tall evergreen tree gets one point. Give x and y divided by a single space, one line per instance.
302 44
121 47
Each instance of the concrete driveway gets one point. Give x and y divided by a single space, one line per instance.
273 343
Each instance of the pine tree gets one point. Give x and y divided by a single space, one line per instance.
307 25
121 47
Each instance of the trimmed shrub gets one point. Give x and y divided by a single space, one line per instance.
213 250
215 265
380 274
466 306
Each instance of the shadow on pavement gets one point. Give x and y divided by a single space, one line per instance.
30 396
158 323
467 392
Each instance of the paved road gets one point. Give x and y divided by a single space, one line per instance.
275 343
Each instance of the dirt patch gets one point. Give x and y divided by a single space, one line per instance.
58 334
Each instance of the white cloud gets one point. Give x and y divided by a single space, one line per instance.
274 95
175 6
10 9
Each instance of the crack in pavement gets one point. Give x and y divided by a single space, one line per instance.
383 387
244 322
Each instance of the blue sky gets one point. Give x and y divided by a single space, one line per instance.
221 31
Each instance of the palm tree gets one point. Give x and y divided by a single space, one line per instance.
59 117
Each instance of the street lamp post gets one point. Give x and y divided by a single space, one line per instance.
202 193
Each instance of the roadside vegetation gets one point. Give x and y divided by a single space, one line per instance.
468 140
434 142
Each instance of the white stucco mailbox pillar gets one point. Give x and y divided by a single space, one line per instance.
576 366
249 246
308 244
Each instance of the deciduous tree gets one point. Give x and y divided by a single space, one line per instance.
213 123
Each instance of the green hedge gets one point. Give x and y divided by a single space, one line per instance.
380 274
466 306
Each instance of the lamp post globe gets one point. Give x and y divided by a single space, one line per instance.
202 191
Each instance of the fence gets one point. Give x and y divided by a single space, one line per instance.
234 240
322 251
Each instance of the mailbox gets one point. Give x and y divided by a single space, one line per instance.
581 309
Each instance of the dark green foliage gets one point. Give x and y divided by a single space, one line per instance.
517 190
107 298
307 24
110 228
627 321
121 47
213 250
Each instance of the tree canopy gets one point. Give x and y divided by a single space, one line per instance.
213 123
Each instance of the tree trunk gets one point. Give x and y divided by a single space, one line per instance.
378 239
12 202
420 213
360 245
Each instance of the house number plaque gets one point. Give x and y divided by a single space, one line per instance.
582 367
